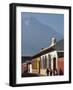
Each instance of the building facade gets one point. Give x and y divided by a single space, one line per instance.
49 61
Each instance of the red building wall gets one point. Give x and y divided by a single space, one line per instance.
61 64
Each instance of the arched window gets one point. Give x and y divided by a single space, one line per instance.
42 62
45 62
49 61
54 63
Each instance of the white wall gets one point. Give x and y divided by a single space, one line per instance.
4 44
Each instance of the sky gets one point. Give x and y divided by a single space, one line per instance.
37 29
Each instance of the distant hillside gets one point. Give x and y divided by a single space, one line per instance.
26 58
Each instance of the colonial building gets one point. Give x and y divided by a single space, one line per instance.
49 61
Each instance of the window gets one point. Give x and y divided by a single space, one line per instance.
45 62
42 62
49 63
54 63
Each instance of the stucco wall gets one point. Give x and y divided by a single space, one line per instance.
61 64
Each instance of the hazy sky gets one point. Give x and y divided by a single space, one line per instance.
31 33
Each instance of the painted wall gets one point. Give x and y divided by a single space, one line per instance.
23 68
36 65
61 64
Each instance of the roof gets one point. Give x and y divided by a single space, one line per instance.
44 51
59 47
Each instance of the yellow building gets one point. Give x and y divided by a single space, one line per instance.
36 65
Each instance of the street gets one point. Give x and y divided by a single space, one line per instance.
29 75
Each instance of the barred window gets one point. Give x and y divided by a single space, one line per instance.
54 63
49 58
45 62
42 62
